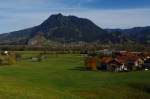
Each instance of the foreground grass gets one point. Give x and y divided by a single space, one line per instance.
63 77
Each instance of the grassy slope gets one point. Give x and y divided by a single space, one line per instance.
60 77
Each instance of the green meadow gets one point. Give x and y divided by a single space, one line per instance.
62 76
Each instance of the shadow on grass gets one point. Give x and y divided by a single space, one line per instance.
79 69
141 86
85 69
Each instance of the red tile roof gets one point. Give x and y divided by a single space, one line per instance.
106 59
127 57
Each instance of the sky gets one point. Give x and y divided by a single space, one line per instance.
21 14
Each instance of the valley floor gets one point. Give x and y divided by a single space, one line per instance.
64 77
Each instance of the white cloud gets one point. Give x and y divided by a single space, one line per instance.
11 21
126 18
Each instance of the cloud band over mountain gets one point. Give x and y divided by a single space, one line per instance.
19 14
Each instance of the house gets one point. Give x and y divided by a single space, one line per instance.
117 66
110 64
121 61
131 61
147 63
104 62
125 61
146 58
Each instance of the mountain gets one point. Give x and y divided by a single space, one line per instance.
137 34
58 28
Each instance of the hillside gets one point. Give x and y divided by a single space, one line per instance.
59 28
138 34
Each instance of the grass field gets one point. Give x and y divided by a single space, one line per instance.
63 77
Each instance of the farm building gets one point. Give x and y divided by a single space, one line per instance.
91 63
110 64
147 63
104 62
130 61
146 58
116 66
124 61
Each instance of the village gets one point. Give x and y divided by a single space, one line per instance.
102 60
118 61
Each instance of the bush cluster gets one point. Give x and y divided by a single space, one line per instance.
9 59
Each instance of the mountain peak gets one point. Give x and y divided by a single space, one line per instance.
53 20
71 28
56 15
61 28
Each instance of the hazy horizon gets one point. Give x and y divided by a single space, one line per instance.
21 14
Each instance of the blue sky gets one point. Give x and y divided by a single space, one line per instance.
20 14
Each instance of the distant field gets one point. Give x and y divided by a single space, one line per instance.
63 77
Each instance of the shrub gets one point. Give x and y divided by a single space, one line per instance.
10 60
7 60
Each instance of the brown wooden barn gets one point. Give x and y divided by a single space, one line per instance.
91 63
